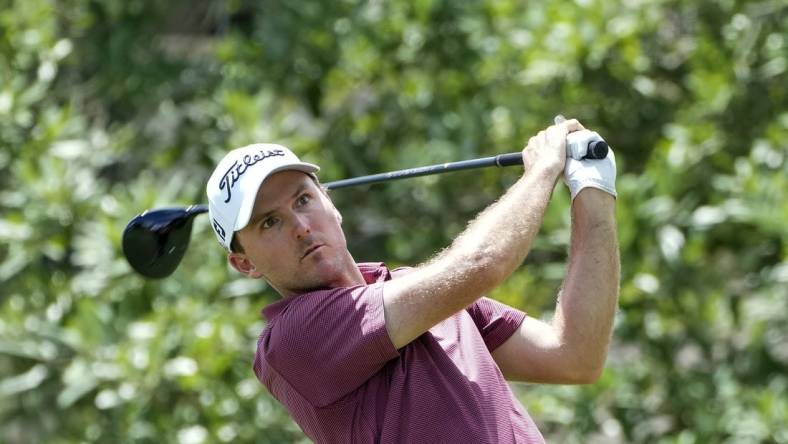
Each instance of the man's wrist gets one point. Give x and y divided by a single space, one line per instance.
594 204
548 173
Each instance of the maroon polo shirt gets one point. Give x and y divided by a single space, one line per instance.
326 355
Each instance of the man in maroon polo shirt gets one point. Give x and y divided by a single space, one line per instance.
361 353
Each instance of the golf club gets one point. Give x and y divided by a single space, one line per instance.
155 241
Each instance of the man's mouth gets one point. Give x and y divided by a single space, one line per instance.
310 250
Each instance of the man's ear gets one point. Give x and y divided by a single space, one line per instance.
244 265
338 215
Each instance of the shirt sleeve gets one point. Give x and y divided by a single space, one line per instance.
330 342
495 320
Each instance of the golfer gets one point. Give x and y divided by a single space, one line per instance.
360 353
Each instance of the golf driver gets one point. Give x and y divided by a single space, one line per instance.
155 241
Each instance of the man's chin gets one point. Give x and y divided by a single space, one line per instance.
315 283
321 276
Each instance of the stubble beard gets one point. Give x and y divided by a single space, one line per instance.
328 273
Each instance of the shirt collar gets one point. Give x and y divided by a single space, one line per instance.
373 272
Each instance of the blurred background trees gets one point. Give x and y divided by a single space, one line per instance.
111 107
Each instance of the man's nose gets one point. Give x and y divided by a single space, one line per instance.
301 226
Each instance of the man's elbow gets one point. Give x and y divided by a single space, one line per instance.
585 372
585 360
589 376
483 269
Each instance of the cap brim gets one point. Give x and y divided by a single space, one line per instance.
245 211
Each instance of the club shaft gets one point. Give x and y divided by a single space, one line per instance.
500 160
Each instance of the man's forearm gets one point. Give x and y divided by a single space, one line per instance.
502 235
492 246
589 297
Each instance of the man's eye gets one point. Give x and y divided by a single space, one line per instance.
304 199
270 222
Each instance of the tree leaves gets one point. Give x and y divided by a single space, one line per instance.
110 108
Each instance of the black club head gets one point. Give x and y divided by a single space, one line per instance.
155 241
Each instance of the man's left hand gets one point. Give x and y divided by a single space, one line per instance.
596 173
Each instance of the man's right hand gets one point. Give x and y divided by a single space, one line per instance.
546 151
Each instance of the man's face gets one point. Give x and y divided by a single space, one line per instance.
294 239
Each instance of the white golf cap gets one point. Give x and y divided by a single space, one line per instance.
232 188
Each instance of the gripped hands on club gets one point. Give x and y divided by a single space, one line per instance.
549 151
546 151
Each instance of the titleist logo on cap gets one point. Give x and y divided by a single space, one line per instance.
237 169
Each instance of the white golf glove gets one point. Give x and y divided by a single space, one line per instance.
577 143
596 173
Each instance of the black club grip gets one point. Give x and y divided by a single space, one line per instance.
597 150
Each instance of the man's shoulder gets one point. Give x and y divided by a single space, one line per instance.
322 308
401 271
304 302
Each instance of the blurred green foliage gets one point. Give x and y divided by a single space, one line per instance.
110 107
